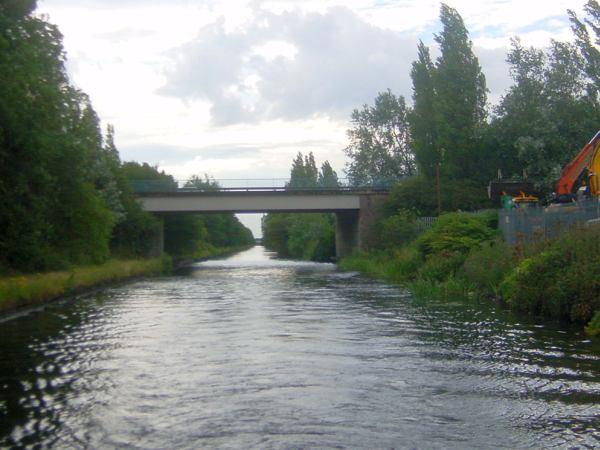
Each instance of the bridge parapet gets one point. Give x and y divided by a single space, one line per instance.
254 185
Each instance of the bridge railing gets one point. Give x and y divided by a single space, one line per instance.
252 184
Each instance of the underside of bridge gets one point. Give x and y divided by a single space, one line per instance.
355 212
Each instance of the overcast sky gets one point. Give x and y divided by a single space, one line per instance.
236 88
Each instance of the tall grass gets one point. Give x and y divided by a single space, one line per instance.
30 289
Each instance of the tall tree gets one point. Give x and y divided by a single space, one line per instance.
52 215
460 98
304 172
328 177
422 117
380 148
588 47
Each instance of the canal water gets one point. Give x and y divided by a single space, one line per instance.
255 352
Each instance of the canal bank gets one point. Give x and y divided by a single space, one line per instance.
32 289
461 257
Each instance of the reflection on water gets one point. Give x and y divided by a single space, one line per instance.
255 352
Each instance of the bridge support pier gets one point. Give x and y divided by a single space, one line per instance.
158 246
347 236
355 230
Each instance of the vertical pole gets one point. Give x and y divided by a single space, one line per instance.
438 189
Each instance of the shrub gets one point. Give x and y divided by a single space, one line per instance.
398 229
451 289
593 328
486 266
404 264
456 232
440 266
419 194
561 281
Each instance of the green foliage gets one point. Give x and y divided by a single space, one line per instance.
304 173
422 117
380 146
419 194
31 289
593 328
300 236
276 233
451 289
311 236
303 236
439 266
546 116
449 104
561 281
486 266
54 211
587 46
327 176
17 9
372 264
455 233
398 229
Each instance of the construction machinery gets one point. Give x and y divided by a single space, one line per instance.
580 176
587 160
518 191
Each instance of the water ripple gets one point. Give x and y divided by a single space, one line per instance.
252 352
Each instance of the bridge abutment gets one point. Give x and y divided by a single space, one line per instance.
355 230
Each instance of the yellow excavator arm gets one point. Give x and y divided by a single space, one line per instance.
594 172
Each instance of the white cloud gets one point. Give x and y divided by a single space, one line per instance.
302 65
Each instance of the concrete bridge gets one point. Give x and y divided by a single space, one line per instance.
354 208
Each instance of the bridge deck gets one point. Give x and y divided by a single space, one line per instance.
253 200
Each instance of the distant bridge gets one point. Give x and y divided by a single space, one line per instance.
354 207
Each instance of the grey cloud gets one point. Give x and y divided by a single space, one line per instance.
126 34
155 153
119 4
340 64
494 66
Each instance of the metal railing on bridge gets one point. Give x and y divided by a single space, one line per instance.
254 185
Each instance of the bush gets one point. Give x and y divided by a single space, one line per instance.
451 289
419 194
593 328
561 281
456 233
440 266
398 229
487 266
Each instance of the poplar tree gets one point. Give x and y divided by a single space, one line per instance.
587 45
422 117
460 98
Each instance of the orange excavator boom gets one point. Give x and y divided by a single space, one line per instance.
572 171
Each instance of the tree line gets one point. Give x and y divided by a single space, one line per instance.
550 111
308 236
443 149
65 195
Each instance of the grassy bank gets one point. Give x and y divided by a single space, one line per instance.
24 290
462 257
